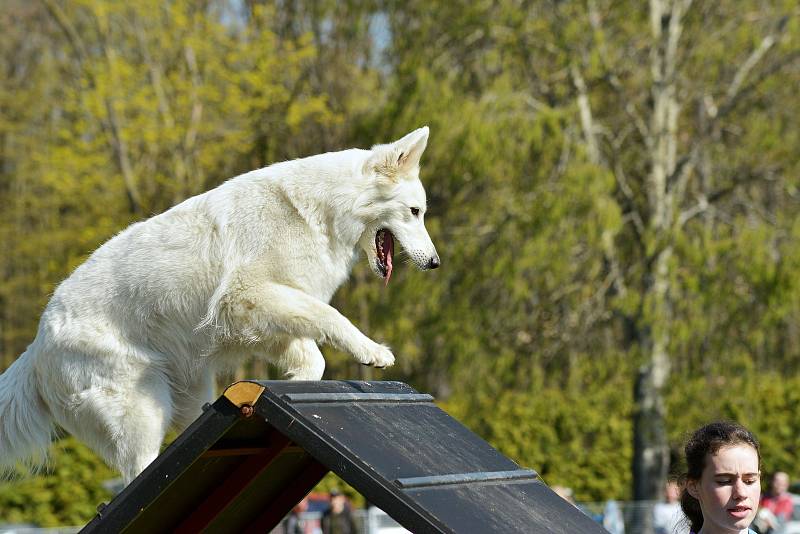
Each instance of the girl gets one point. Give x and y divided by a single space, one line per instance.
723 485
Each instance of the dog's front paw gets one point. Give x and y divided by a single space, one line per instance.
377 356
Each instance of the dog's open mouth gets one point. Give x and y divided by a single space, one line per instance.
384 246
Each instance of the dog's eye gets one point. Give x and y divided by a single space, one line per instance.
414 211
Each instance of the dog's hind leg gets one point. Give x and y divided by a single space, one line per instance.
302 360
124 423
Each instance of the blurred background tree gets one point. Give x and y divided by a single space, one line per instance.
613 189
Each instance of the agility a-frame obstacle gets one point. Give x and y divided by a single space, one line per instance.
253 454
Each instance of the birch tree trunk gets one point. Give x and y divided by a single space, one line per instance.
651 452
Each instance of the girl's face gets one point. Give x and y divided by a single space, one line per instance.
728 490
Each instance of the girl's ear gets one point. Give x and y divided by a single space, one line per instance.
691 487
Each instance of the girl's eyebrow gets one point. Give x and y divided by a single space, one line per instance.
756 473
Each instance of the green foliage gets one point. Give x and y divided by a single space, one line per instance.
578 435
768 404
66 493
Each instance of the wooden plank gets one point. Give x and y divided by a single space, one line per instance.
233 486
235 451
291 495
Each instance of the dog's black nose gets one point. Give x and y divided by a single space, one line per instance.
433 263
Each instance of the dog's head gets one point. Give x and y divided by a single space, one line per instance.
396 210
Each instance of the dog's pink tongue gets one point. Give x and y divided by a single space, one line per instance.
389 251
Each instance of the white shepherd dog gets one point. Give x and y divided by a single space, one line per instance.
129 343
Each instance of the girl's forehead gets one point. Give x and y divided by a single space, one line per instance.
734 459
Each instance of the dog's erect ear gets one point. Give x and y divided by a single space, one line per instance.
409 149
396 158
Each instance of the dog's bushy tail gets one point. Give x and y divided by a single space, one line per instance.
26 427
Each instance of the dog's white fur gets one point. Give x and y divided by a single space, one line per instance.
129 343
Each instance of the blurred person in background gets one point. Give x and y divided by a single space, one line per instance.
565 493
338 519
613 520
776 505
777 498
293 524
667 515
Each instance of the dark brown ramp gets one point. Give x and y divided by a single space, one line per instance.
262 446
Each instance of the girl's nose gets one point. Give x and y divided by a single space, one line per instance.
739 488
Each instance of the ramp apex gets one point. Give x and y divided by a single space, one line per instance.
243 393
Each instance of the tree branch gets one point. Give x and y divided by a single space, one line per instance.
685 216
69 30
679 178
197 109
611 76
586 115
752 60
118 143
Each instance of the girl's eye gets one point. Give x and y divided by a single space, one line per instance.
414 211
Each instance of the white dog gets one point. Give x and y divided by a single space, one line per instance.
129 343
